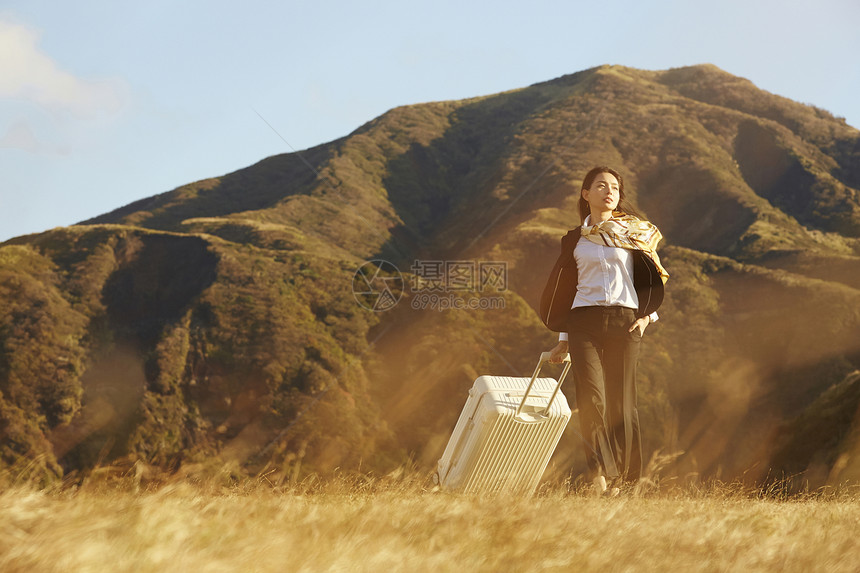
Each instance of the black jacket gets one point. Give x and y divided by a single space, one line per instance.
560 289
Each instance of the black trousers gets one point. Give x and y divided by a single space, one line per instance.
604 356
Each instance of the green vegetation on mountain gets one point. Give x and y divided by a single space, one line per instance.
216 324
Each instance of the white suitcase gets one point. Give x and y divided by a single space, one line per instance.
506 434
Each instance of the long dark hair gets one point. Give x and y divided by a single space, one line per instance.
623 205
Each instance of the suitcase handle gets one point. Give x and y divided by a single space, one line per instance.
544 357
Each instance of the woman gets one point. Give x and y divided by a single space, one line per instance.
600 297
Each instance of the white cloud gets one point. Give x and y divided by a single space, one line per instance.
26 73
20 136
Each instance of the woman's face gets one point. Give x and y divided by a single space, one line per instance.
604 194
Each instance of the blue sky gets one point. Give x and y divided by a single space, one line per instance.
103 103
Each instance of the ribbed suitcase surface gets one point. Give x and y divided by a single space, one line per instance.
506 434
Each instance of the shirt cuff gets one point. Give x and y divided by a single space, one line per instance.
653 316
562 337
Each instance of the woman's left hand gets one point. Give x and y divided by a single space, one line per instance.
641 323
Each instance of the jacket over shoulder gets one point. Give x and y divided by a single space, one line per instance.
560 290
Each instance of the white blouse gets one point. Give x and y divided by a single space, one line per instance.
605 276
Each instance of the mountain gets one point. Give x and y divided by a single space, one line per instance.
237 322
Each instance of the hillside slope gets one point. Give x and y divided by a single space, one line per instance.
216 323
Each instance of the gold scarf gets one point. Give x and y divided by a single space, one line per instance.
628 232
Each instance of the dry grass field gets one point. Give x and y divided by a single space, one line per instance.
361 523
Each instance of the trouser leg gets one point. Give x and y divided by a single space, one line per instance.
585 347
620 357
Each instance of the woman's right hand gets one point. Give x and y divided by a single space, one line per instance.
557 353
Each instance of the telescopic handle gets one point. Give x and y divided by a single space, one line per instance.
544 358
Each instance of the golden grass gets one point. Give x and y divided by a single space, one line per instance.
361 523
